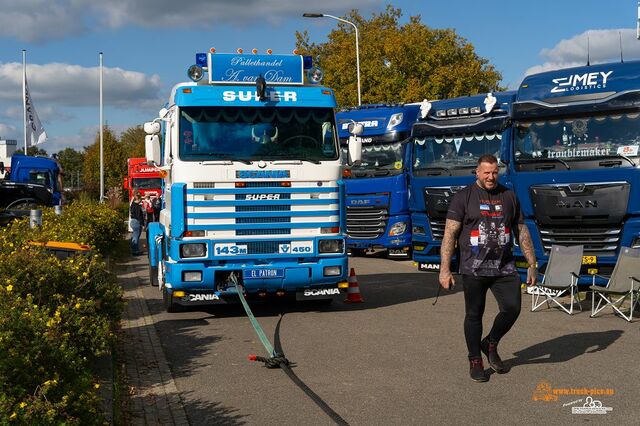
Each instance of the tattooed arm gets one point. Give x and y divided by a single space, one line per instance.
526 245
451 230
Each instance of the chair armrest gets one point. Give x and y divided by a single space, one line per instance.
635 279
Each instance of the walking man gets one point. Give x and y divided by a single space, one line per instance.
136 221
482 218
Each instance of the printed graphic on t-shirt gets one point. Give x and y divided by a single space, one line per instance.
489 240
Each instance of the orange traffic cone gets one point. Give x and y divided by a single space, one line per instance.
353 292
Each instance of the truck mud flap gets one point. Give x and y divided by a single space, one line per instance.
317 293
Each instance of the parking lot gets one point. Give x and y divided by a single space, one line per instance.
395 358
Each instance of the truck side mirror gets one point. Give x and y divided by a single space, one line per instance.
152 127
2 167
152 148
355 144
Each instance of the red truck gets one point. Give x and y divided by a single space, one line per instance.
143 178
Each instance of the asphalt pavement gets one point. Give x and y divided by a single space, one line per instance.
394 359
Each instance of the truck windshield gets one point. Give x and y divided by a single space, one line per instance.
248 134
380 157
577 139
454 152
147 183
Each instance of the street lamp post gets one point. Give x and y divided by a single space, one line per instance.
324 15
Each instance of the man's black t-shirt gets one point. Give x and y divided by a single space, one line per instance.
488 219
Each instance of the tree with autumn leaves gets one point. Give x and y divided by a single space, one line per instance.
115 152
399 63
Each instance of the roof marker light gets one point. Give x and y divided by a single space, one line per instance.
239 50
463 111
425 107
296 52
452 111
212 50
254 51
475 110
441 113
269 51
489 102
315 75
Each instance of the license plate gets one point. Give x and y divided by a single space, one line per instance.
263 273
589 260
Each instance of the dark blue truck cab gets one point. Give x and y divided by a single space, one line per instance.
574 161
448 139
377 189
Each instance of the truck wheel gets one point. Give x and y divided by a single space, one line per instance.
168 302
24 204
153 276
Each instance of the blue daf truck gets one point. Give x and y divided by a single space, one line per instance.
448 138
377 189
253 194
574 161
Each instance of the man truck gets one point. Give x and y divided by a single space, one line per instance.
253 193
575 161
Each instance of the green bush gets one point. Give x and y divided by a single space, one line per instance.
58 315
91 223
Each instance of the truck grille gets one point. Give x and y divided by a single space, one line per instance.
437 228
597 241
366 222
262 209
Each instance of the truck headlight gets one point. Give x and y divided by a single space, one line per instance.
398 228
330 246
193 250
190 276
332 271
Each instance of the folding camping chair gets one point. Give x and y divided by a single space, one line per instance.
624 282
560 278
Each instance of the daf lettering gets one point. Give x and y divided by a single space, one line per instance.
360 202
321 292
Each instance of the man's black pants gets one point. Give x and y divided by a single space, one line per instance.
506 290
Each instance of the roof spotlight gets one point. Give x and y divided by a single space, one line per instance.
315 75
195 72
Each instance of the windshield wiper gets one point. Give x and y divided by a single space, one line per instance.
446 169
618 156
219 157
294 159
543 160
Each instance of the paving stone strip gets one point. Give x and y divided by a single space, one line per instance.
154 397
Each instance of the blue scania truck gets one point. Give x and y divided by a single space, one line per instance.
448 138
574 161
377 189
253 194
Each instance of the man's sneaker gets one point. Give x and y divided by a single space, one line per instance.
476 370
490 349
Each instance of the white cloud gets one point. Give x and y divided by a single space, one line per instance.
44 20
604 46
45 113
7 131
66 85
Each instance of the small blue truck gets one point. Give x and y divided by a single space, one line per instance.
377 189
31 181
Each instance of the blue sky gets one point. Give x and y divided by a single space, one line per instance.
149 44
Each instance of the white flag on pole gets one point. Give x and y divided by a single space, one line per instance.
35 132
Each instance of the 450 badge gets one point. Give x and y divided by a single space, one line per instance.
296 247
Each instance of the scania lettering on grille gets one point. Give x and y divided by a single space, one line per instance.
262 197
262 174
200 297
321 292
